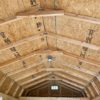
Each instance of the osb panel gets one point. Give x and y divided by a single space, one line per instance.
32 77
37 85
22 50
16 66
52 42
22 28
31 46
56 43
27 72
75 30
59 25
91 67
34 82
73 49
74 72
67 77
84 7
92 54
69 47
69 26
10 7
75 62
50 24
12 67
5 56
18 30
72 28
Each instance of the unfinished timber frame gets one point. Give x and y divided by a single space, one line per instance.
46 41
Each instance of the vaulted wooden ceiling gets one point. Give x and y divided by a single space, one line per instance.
33 30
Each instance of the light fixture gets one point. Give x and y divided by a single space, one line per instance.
50 58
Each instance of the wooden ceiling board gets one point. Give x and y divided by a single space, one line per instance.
21 57
88 8
31 78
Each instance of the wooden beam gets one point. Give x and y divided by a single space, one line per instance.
70 86
38 86
91 91
29 78
40 13
86 60
73 41
42 85
10 86
54 53
68 72
14 94
52 35
74 71
14 18
51 13
95 87
9 20
17 71
36 82
60 82
22 41
21 92
67 81
53 69
33 12
36 78
38 53
83 18
20 78
24 69
87 93
3 80
90 61
83 70
29 55
44 76
28 73
31 72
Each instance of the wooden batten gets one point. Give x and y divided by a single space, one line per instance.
83 18
41 13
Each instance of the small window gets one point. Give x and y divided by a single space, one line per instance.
54 87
